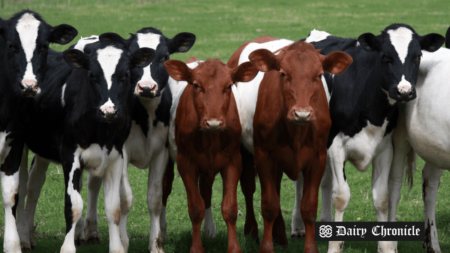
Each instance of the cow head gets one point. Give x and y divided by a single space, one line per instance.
27 38
399 50
153 79
107 67
211 81
299 70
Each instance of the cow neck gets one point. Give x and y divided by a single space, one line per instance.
151 104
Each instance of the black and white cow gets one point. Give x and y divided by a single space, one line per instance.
364 109
24 43
145 146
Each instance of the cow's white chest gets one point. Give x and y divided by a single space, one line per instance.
4 146
96 159
246 94
363 146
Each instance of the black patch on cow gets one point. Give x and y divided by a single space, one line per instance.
16 203
343 172
76 179
140 116
163 111
447 38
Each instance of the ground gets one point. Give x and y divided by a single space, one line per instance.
221 27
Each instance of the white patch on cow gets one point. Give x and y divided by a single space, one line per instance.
316 35
246 94
149 40
4 146
63 102
10 186
400 39
27 27
107 104
108 58
404 85
390 100
81 44
358 44
325 87
209 228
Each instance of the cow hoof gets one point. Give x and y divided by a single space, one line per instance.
93 241
80 243
296 237
26 249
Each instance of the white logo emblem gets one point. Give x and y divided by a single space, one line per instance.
325 231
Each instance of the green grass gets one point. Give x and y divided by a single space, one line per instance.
221 27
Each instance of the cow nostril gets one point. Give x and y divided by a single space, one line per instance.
213 123
302 115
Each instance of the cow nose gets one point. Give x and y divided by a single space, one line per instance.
30 87
213 124
405 92
108 111
147 88
302 116
29 83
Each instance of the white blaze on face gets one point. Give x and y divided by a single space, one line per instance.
316 35
27 27
149 40
81 44
400 39
108 58
404 86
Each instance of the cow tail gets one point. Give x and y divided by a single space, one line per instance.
410 167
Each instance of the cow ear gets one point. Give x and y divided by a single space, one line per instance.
181 43
244 72
113 37
76 59
447 38
336 62
264 60
63 34
431 42
369 42
178 70
142 57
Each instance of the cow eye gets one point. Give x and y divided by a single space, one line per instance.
386 59
125 77
11 47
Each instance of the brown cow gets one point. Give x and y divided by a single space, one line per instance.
289 130
207 135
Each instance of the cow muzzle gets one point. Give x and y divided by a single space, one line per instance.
109 113
213 125
302 116
405 93
30 88
147 89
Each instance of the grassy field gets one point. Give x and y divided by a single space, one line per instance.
221 27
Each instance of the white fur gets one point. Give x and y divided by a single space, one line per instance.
63 101
400 39
108 103
27 27
316 35
10 186
149 40
4 146
209 228
108 58
81 44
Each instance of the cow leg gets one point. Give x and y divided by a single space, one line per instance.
312 179
270 201
380 177
91 223
21 222
126 202
169 176
154 197
248 187
38 171
79 229
205 185
340 188
73 201
326 185
10 166
297 225
111 192
431 177
196 205
229 203
279 228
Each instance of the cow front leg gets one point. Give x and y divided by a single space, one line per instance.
431 177
229 203
38 171
154 198
91 222
126 202
297 225
111 192
22 225
380 177
79 229
10 166
169 176
73 207
326 213
312 179
279 228
205 185
248 187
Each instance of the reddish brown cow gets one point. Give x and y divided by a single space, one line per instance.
207 135
291 124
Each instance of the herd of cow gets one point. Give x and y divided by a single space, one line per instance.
278 106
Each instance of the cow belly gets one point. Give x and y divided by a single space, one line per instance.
4 146
363 146
96 159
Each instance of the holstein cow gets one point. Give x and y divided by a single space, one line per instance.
89 132
145 146
422 128
24 43
364 108
207 135
285 125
